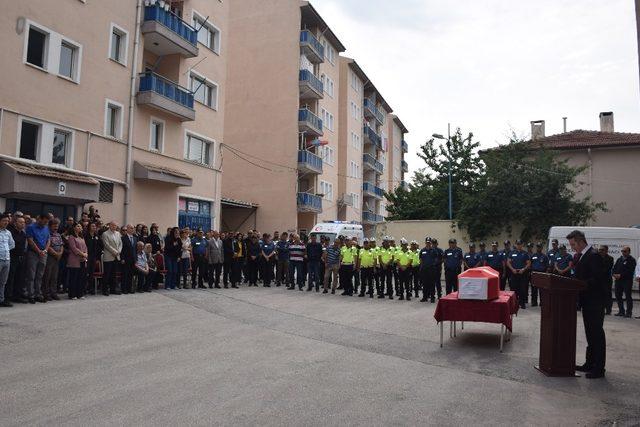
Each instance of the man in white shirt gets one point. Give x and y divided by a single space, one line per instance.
6 245
112 243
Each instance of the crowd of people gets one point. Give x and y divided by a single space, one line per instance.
42 258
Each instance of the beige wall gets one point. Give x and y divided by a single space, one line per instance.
262 108
80 107
612 178
395 174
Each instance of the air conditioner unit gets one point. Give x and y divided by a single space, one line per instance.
346 200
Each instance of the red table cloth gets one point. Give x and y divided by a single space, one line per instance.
495 311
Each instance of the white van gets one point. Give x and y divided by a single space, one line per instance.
333 229
614 237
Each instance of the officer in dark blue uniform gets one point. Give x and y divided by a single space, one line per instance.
506 252
472 258
495 260
552 254
427 271
437 262
518 263
483 255
539 263
563 263
527 282
452 266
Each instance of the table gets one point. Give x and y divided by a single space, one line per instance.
500 310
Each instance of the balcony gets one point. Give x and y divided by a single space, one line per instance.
404 185
371 218
311 47
405 146
309 162
370 163
379 117
371 137
311 87
405 166
369 109
309 123
370 190
157 92
308 202
166 34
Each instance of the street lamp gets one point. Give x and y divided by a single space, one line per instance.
438 136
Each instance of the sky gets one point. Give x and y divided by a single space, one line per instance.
493 66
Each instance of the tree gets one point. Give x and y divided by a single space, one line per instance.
428 197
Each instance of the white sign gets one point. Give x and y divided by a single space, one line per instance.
62 188
472 288
193 206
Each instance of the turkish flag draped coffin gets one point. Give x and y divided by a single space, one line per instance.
480 283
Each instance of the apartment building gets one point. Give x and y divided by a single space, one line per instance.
117 104
330 164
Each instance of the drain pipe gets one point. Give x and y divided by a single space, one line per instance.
132 99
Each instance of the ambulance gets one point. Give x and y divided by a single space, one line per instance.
333 229
614 237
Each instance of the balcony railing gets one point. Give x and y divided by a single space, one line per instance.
310 85
165 95
370 189
371 162
309 122
404 185
369 109
371 218
405 166
405 146
372 137
166 33
379 116
308 202
311 47
309 162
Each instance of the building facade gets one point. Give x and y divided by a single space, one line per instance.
118 104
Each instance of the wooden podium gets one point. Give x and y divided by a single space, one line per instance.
558 324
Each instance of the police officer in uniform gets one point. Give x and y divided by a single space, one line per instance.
563 262
483 255
347 263
496 261
366 262
376 268
415 268
385 261
552 254
472 258
539 263
438 262
452 266
506 252
623 271
404 259
607 262
427 270
518 263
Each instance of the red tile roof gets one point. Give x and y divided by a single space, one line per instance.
587 139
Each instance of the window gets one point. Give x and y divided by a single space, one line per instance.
326 188
157 135
354 170
197 150
208 35
329 51
37 47
355 141
106 192
355 81
205 91
356 199
68 60
327 154
61 143
396 173
118 44
328 86
113 120
29 140
327 119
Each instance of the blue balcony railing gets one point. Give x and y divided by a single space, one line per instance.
309 201
172 22
306 37
372 136
370 109
405 146
368 159
311 119
405 166
404 185
372 217
370 188
310 160
153 82
379 116
309 77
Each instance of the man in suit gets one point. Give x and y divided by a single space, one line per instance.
589 267
112 244
128 259
215 259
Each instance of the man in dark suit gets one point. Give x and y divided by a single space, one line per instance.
128 259
589 267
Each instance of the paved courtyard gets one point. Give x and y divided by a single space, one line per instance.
275 357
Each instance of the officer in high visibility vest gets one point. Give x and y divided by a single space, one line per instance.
404 260
347 263
376 270
356 268
394 264
385 261
415 268
366 263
